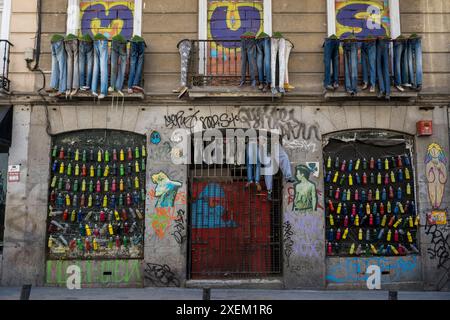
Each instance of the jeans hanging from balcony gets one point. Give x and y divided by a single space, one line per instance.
248 57
118 64
253 162
86 55
73 80
278 48
384 78
400 67
263 60
287 54
283 163
100 67
331 62
184 47
369 62
351 66
415 62
58 79
137 51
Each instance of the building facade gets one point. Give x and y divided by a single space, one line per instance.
198 224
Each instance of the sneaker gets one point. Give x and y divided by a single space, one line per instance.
95 94
365 86
261 86
269 195
274 91
101 96
130 91
121 93
265 88
140 89
329 87
281 90
74 92
336 86
254 83
372 89
408 85
182 92
85 88
110 89
399 88
258 187
241 84
288 87
178 90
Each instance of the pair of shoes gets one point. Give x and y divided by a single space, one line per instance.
121 93
269 195
329 87
101 96
365 86
372 89
399 88
111 89
73 92
85 88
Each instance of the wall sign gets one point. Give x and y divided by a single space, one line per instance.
14 173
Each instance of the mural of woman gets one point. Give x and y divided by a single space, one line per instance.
436 172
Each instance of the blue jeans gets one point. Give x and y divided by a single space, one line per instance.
368 62
285 166
400 54
263 60
118 64
253 162
384 78
85 61
331 61
415 61
351 66
100 66
248 56
59 67
136 63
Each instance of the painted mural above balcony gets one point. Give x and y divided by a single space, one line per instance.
362 18
228 20
109 18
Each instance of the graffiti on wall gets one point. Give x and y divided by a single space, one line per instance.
439 250
119 272
184 120
161 275
109 18
179 234
436 173
305 190
362 18
351 270
306 243
281 119
287 240
165 193
208 209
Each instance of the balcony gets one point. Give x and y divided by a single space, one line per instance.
215 71
5 82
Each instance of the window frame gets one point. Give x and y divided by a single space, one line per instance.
74 23
203 18
394 14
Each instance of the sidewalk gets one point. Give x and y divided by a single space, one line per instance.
46 293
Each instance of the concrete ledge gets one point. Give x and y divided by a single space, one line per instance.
276 283
341 94
230 92
87 95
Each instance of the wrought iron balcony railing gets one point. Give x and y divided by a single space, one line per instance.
5 82
215 63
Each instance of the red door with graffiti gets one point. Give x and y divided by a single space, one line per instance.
234 230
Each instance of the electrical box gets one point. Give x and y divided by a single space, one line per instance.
29 54
425 128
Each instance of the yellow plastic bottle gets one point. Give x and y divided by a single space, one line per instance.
336 176
360 234
344 235
352 249
389 234
110 229
88 230
331 220
339 207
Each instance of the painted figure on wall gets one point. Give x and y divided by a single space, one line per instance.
305 190
362 18
109 18
436 173
166 190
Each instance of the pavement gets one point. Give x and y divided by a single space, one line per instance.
52 293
